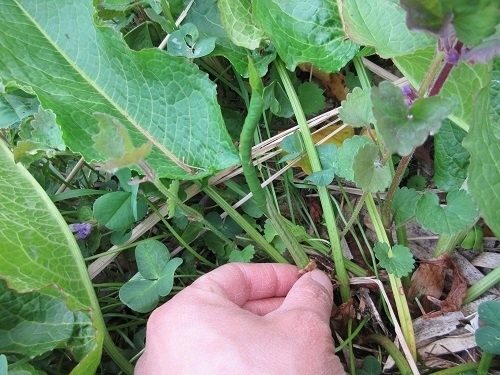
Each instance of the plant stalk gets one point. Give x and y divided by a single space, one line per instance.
324 195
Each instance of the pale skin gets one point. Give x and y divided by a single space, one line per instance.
244 319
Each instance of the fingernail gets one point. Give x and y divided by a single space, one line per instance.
321 278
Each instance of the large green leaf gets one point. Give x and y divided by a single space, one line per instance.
381 24
484 167
305 31
464 82
76 69
42 264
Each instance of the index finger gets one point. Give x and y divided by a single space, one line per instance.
243 282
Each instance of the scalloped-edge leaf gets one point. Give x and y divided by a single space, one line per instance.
305 32
404 204
381 24
398 260
369 173
459 213
346 153
356 110
39 252
77 68
402 128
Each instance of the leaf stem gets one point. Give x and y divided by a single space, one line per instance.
324 195
391 348
396 284
443 74
483 285
117 355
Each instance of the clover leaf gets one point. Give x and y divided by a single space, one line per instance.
155 278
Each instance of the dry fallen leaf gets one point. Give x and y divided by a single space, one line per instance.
332 82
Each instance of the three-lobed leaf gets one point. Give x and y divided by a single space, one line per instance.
402 128
115 210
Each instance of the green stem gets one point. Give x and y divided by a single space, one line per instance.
188 211
116 354
484 363
460 369
447 242
354 215
431 74
324 195
482 286
396 284
245 225
391 348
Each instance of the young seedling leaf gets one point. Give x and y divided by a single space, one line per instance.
356 110
321 178
398 261
114 210
244 255
369 173
459 213
151 257
381 24
237 19
311 98
300 35
346 153
402 128
186 42
114 142
404 204
451 159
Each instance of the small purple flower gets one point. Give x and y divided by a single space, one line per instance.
409 95
81 230
452 56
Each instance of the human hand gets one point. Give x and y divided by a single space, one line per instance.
244 319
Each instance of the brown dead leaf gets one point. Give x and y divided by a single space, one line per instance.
428 280
315 210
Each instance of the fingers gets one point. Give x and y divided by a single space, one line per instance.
312 292
264 306
241 282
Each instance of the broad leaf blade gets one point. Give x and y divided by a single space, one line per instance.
381 24
305 32
39 251
76 69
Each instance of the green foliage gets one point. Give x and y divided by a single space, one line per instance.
244 255
403 128
356 110
236 17
311 97
44 265
300 35
488 335
450 158
115 210
186 42
371 366
327 154
398 260
404 203
380 23
346 154
458 214
15 106
472 21
155 278
95 64
369 173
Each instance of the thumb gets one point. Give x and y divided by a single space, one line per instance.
314 292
